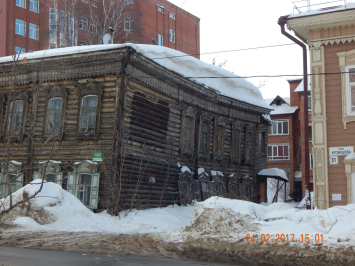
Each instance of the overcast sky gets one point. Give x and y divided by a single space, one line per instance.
238 24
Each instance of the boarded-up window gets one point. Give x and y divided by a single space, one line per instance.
236 143
204 138
187 133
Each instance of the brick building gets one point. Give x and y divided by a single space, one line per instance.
31 25
286 141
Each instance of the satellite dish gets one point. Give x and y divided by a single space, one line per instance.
107 38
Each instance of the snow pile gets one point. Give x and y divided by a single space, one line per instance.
56 209
213 77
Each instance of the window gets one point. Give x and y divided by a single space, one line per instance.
94 4
128 2
21 3
33 31
236 143
19 50
351 89
93 28
160 40
52 170
262 142
88 114
172 35
52 28
83 24
128 21
81 43
20 27
54 115
218 142
310 161
15 122
14 178
205 138
187 133
172 15
160 9
248 146
34 5
85 1
278 151
310 132
279 127
309 104
83 183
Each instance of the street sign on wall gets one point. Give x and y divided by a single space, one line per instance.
97 156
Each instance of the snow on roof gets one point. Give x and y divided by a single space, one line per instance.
88 161
213 77
267 117
216 173
274 172
298 174
15 162
349 157
185 169
55 162
300 87
283 109
324 10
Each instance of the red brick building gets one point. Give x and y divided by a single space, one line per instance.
31 25
286 141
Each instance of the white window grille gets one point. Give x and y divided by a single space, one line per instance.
172 35
278 151
21 3
172 15
20 27
160 40
128 22
34 4
33 32
83 25
52 28
94 4
161 9
128 2
279 127
19 50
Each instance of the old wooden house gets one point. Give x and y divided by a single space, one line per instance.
130 126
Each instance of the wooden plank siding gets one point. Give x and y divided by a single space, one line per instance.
139 130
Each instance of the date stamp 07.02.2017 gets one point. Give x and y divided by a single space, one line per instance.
284 238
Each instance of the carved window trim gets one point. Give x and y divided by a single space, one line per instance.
218 123
207 135
88 90
188 112
236 135
56 92
53 168
249 144
14 170
18 95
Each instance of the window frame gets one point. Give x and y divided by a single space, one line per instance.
52 167
22 3
160 40
160 9
272 157
19 95
87 90
280 121
87 168
309 104
128 2
19 50
236 134
310 131
52 22
172 15
34 3
36 30
19 26
94 4
172 35
55 92
83 23
204 119
249 136
128 24
310 161
218 122
14 169
262 142
188 112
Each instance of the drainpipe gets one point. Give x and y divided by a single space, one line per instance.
282 21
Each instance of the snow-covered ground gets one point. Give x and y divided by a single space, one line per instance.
226 219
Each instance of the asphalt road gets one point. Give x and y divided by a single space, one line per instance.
28 257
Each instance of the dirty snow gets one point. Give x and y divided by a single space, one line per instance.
216 78
56 209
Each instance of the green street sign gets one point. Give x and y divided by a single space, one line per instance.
97 156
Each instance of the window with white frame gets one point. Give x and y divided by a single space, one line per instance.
50 171
11 177
85 1
21 3
52 28
172 35
128 2
128 22
309 104
83 183
94 4
161 9
34 5
83 23
310 132
172 15
160 40
93 28
278 151
279 127
88 113
19 50
15 120
54 115
33 32
20 27
310 161
350 92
